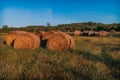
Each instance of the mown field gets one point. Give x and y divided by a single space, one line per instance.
93 58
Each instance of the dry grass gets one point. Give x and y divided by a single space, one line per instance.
93 58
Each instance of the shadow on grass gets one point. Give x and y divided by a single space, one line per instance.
116 48
114 65
92 57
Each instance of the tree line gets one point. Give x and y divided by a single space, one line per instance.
65 27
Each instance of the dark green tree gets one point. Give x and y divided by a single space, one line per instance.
48 24
5 27
99 28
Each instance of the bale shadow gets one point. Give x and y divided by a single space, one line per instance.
114 65
4 42
92 57
43 43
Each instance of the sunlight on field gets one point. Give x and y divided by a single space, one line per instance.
93 58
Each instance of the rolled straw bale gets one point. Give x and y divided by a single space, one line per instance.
57 42
27 40
47 35
69 38
71 42
36 40
11 36
40 33
112 31
102 33
70 33
60 41
85 33
91 33
77 33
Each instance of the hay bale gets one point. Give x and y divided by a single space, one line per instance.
11 36
40 33
47 35
112 31
36 41
69 38
102 33
77 33
85 33
91 33
60 41
27 40
71 42
70 33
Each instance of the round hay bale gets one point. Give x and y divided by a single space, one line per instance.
27 40
69 38
71 42
36 40
40 33
102 33
112 31
11 36
85 33
60 41
91 33
47 35
77 33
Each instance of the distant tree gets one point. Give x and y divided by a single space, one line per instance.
118 28
99 28
48 24
5 27
112 28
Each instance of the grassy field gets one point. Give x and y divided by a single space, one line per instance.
92 58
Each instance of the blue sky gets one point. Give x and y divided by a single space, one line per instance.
18 13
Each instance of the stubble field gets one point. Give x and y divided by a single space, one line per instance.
93 58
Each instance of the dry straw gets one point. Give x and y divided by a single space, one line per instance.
40 33
12 35
112 31
69 38
60 41
48 35
102 33
91 33
27 40
77 33
85 33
